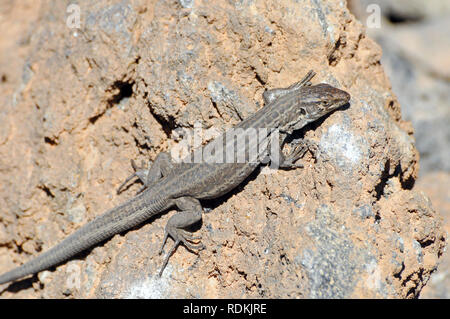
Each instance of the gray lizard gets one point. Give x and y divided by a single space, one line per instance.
183 185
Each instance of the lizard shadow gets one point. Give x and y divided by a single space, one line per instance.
22 284
27 282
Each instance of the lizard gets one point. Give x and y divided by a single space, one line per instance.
167 184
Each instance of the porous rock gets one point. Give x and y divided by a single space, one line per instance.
80 103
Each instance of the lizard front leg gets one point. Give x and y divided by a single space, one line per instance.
298 151
162 165
291 160
191 213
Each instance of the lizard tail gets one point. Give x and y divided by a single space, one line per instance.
121 218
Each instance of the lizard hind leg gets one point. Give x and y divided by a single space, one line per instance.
191 213
161 166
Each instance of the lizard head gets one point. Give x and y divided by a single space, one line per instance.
312 103
321 99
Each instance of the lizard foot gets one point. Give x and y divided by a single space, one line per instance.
179 236
140 172
152 173
191 213
299 150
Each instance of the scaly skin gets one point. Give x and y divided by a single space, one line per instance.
182 185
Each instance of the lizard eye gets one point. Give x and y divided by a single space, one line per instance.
302 111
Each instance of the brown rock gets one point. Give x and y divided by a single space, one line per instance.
416 60
116 89
416 47
436 186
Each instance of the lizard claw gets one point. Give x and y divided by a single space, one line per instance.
299 150
139 172
180 236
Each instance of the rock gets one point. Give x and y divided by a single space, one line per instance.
415 56
416 46
135 72
435 185
422 86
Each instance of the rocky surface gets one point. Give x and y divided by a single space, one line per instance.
435 185
416 59
416 50
79 103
